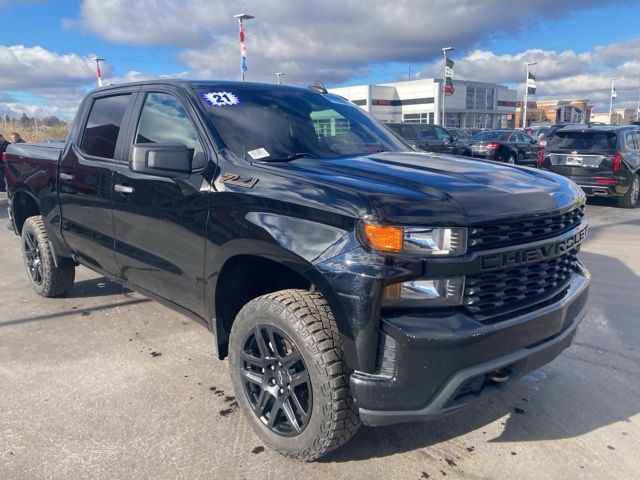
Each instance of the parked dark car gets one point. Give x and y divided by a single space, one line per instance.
537 131
430 138
602 160
542 141
510 146
347 278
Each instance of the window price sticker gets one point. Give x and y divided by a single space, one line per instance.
220 99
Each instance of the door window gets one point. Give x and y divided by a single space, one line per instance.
442 133
103 126
165 120
637 137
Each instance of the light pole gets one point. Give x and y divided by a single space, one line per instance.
98 71
243 48
526 96
613 95
278 75
445 52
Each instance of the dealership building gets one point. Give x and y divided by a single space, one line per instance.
472 105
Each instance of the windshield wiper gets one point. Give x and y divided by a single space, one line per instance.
293 156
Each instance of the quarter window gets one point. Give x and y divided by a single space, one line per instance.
103 126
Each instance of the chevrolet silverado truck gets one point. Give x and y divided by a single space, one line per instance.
347 278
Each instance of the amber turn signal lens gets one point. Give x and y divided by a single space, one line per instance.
384 237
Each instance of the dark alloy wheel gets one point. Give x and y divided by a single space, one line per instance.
46 278
288 374
276 381
32 257
632 197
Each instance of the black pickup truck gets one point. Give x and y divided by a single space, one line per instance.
347 278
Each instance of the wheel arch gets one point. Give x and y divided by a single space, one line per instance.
246 275
24 204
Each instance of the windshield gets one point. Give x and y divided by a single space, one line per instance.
263 122
583 141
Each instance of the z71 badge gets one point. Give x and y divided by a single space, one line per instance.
233 179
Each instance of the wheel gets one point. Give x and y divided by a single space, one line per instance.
287 369
45 278
511 159
630 199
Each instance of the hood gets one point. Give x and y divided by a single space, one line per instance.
419 188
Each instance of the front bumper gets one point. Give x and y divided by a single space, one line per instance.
440 364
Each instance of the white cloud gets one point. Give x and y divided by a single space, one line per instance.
332 39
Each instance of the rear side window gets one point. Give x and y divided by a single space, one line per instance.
103 126
583 141
629 140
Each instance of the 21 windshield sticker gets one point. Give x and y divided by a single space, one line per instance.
220 99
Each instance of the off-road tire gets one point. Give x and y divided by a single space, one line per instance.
630 199
306 319
53 281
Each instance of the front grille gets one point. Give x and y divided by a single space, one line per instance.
517 232
489 295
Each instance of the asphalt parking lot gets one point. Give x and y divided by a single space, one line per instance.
107 384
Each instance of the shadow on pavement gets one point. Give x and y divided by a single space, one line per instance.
544 406
73 311
97 287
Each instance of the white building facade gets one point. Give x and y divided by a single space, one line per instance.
472 105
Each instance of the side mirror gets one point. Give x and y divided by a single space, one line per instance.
447 140
161 159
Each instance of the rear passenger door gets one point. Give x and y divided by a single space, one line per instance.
85 178
159 221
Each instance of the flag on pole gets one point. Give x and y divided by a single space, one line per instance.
531 84
243 50
614 94
99 73
448 74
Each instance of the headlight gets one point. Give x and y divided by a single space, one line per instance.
418 240
436 292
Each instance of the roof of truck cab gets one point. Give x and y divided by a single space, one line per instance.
193 84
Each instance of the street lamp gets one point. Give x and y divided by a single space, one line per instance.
613 94
526 96
243 48
278 75
445 51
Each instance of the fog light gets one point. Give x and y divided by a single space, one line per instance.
440 292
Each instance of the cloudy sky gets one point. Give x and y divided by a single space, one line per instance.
46 46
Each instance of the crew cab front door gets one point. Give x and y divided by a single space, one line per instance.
160 221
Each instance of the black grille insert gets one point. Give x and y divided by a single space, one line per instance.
489 295
517 232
